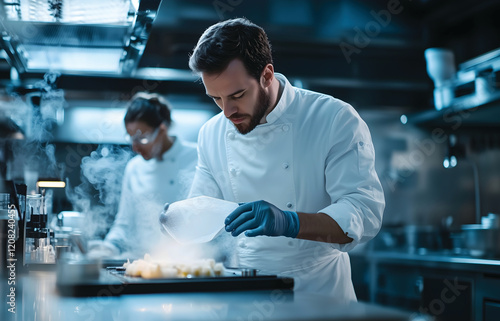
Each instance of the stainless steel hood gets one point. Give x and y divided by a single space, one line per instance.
92 37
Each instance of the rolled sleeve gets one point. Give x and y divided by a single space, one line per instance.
353 185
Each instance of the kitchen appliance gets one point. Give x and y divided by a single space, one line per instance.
474 84
413 239
481 240
476 81
12 209
441 69
90 37
38 248
68 234
422 238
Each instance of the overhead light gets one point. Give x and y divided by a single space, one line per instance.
454 150
73 59
50 184
91 37
70 11
446 162
450 161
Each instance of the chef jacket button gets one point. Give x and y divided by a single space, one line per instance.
289 205
232 171
285 165
361 143
230 135
285 128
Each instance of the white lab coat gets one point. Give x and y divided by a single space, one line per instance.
146 187
314 154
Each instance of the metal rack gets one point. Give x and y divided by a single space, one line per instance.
476 102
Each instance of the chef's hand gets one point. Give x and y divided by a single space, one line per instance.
262 218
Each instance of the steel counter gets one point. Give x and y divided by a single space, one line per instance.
37 299
435 260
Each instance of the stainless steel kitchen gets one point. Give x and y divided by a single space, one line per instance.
250 160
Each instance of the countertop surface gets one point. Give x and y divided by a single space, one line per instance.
37 298
443 259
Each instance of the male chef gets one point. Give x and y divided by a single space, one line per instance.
299 163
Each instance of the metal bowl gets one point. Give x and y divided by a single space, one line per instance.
481 241
420 238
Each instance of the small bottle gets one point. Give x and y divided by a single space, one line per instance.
35 204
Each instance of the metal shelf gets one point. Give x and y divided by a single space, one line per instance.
464 114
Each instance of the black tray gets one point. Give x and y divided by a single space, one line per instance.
114 283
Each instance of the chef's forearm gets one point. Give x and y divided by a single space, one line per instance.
321 227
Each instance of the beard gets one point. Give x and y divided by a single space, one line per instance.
261 107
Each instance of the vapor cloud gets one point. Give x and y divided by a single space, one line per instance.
101 172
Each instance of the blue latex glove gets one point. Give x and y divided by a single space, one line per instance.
262 218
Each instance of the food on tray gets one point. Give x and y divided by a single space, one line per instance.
152 269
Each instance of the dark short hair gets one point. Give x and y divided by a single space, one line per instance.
227 40
152 109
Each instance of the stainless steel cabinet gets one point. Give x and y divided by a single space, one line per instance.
491 311
488 296
444 287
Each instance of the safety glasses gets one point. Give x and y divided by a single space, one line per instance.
142 139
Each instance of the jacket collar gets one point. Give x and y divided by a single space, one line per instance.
173 151
286 99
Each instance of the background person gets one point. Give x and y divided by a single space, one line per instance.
301 162
162 172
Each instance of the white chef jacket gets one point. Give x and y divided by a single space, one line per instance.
147 186
313 154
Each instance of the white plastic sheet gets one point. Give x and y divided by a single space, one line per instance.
196 220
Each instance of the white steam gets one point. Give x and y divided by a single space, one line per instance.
101 173
222 249
33 157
